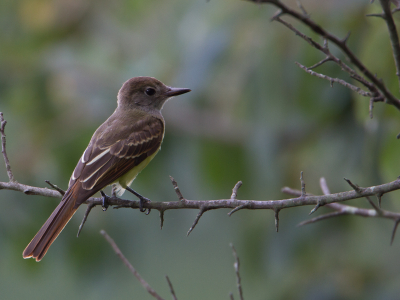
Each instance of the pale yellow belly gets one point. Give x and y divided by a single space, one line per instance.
126 180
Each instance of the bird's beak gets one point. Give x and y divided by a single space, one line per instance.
176 91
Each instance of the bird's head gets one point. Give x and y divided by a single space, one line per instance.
146 93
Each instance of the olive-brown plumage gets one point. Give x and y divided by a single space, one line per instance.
119 149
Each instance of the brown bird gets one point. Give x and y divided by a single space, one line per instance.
119 149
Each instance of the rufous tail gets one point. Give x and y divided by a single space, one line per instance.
39 245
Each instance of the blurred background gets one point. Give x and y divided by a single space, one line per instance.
252 115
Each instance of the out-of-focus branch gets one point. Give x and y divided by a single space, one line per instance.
332 80
342 209
377 86
394 37
236 265
3 148
148 288
233 203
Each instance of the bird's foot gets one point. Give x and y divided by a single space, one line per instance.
105 198
142 200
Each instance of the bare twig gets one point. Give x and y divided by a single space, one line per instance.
130 267
3 148
201 212
326 59
277 219
237 266
61 191
235 190
238 208
394 37
233 202
221 203
171 288
342 209
303 185
322 217
88 209
176 188
161 218
324 186
302 9
376 86
332 80
396 224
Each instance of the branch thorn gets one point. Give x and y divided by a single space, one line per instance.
394 231
276 15
171 288
176 188
235 190
161 219
201 212
62 192
88 209
303 185
276 219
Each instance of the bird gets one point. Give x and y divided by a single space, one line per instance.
118 150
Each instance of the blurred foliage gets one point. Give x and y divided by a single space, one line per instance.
252 115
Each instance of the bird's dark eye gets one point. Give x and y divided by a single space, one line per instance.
150 91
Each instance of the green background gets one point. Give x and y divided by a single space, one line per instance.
252 115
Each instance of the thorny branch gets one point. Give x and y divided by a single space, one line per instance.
148 288
3 148
342 209
394 37
332 80
375 85
236 265
233 203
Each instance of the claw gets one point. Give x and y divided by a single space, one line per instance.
142 200
105 200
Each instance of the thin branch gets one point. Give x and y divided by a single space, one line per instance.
326 59
130 267
202 210
342 209
324 186
161 219
277 219
394 37
61 191
377 86
332 80
302 9
3 148
303 185
235 190
171 288
88 209
396 224
176 188
238 208
325 49
237 266
220 203
322 217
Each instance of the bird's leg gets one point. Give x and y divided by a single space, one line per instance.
113 190
142 200
105 200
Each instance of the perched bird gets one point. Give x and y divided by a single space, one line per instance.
119 149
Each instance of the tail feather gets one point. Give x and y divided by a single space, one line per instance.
39 245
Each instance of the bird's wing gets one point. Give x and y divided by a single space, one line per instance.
109 156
